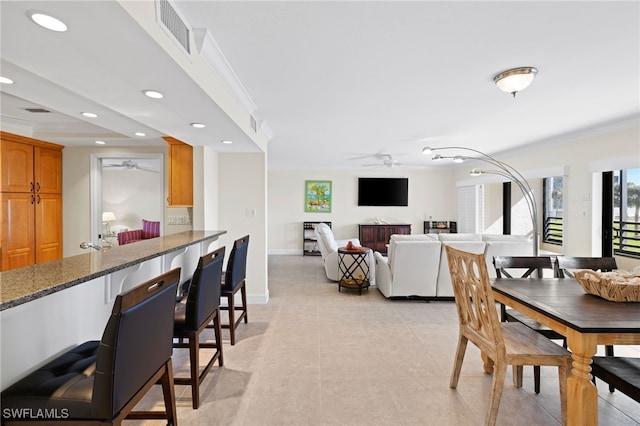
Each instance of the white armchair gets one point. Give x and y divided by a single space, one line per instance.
411 266
328 246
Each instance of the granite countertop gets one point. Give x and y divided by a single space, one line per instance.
22 285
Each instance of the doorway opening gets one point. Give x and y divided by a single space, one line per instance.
126 188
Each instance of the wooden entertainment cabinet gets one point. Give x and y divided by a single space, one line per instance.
376 237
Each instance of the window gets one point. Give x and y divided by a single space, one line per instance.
626 211
552 206
470 208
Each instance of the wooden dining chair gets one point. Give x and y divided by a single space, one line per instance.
505 266
622 373
566 264
505 343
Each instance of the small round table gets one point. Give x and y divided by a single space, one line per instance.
353 268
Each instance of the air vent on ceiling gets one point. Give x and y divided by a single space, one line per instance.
169 19
37 110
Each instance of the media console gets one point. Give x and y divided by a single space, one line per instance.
376 237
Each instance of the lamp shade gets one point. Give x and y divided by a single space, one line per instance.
515 80
108 217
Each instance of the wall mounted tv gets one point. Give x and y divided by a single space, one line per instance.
383 191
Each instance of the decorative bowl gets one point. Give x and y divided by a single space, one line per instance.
616 286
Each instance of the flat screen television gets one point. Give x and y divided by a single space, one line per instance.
383 191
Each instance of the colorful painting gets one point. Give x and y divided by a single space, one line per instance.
317 196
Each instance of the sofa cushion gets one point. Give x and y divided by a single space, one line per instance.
460 237
414 237
395 238
501 237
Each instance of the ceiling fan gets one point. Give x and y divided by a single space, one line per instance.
130 165
388 162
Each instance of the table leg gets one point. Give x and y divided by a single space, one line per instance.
582 395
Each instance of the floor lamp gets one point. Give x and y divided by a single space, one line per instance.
504 170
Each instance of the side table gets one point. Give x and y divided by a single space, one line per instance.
353 268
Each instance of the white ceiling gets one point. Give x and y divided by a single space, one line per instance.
338 83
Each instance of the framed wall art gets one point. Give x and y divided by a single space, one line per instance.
317 196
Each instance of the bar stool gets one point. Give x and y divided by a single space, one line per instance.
234 281
102 381
201 307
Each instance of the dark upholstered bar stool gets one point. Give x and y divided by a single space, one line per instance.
234 281
529 264
100 382
201 307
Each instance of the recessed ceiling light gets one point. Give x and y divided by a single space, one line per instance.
153 94
198 125
48 22
90 114
100 142
5 80
140 134
227 142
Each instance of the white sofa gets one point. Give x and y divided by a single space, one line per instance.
417 266
328 246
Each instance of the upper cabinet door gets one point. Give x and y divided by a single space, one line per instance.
180 173
17 167
48 170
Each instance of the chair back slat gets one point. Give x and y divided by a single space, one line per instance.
150 229
474 301
564 264
136 342
529 263
205 289
237 265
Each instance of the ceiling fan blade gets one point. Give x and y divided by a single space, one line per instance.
147 169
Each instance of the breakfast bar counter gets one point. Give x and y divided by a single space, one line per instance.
25 284
47 308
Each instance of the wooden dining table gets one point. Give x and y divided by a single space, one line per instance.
585 320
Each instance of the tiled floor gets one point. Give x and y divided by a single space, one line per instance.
313 356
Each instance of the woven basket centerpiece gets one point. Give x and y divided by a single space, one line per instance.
617 286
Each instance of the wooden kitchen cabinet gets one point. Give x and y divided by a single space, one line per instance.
31 201
180 173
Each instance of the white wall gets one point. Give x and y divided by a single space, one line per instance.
429 195
242 205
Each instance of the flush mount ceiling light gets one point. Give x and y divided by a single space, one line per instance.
100 142
140 134
516 79
90 114
153 94
47 21
227 142
198 125
5 80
